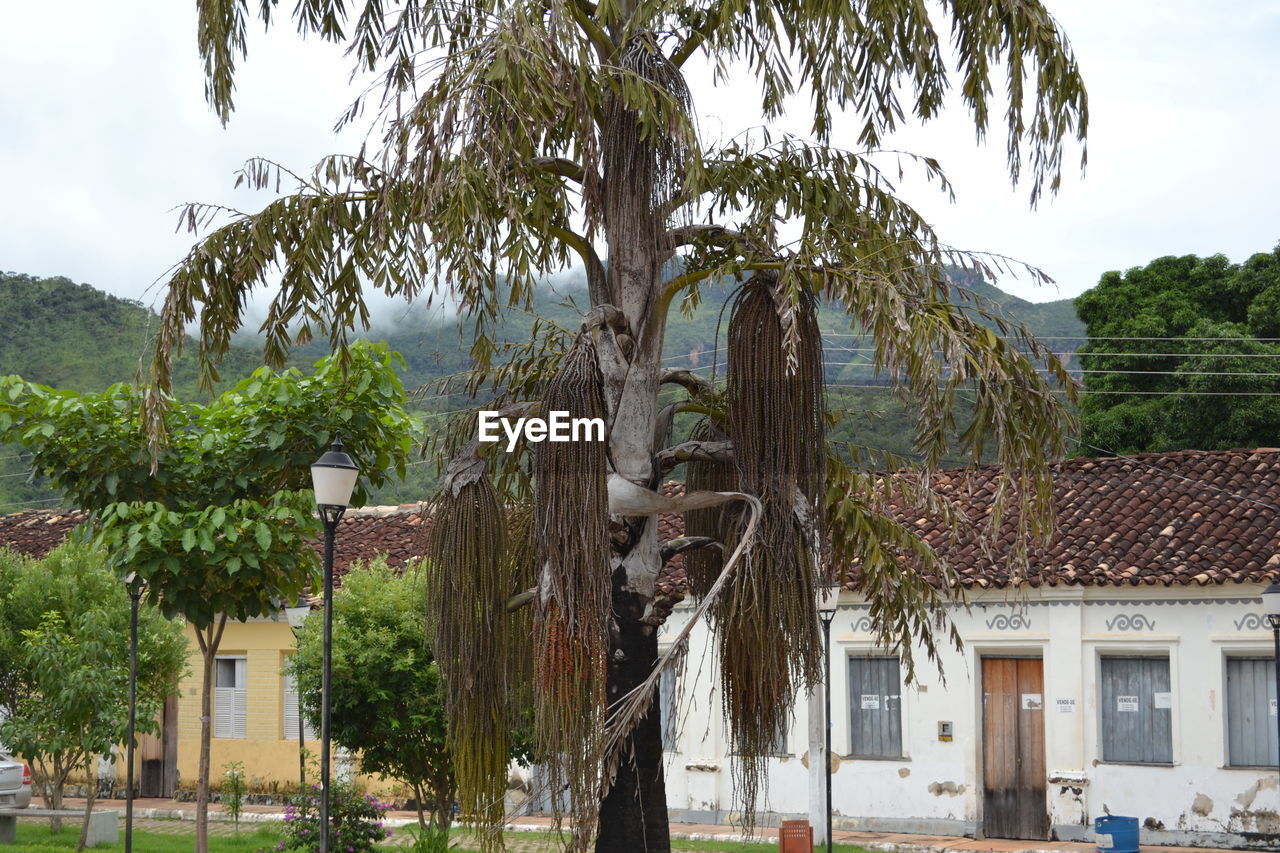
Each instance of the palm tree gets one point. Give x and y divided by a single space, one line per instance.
518 138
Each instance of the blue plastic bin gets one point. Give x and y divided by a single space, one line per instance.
1116 834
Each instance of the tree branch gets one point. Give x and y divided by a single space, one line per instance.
560 166
694 451
688 543
685 234
662 426
698 36
582 12
597 281
521 599
686 379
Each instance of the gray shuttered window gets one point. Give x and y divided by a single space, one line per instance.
1136 710
875 707
668 707
1252 739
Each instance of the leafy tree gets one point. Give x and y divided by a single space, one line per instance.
220 527
1180 357
386 702
521 137
62 648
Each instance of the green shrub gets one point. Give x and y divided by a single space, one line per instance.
355 821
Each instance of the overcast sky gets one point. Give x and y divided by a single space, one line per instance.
104 129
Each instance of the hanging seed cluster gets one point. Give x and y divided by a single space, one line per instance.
571 515
767 624
468 584
702 565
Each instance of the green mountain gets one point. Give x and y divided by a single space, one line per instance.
68 335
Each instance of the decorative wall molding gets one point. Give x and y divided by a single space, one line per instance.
1251 622
1008 622
1131 622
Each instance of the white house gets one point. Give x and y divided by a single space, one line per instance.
1131 673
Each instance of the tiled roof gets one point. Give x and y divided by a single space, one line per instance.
36 532
1188 517
1191 517
395 532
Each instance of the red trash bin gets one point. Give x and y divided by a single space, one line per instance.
795 836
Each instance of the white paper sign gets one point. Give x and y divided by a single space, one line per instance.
1163 700
1032 702
1127 704
1103 841
1273 707
1065 706
871 701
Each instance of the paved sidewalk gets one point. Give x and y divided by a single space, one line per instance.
157 812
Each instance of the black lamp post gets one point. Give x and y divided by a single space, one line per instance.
333 476
134 585
1271 607
827 613
296 616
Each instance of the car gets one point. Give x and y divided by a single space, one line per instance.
15 783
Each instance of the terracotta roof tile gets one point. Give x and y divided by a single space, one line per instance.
1191 517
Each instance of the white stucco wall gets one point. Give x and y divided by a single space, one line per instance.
936 786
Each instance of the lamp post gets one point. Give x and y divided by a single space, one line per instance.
827 605
333 477
134 584
1271 608
297 614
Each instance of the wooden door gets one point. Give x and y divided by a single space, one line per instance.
1013 766
158 755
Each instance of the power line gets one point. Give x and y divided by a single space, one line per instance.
31 503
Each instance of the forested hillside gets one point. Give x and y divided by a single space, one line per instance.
68 335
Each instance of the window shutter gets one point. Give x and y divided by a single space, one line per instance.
291 711
669 708
1136 711
223 702
1251 716
875 712
230 697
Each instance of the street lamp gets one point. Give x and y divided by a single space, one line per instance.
1271 608
297 614
827 604
333 476
135 585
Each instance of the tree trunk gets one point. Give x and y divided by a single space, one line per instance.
53 797
92 775
633 815
209 638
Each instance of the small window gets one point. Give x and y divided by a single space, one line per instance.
1252 739
1137 710
668 705
229 697
291 711
875 707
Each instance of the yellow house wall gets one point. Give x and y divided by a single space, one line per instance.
269 755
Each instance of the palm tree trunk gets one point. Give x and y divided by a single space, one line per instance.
633 815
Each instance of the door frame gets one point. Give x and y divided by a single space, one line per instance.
1025 648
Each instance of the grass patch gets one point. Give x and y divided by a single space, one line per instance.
35 836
